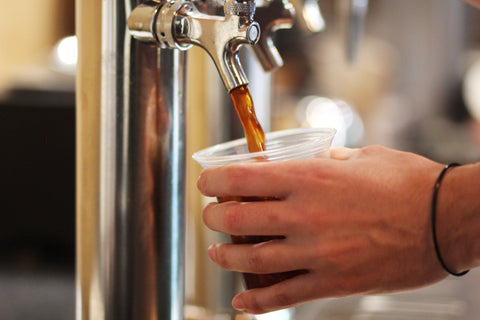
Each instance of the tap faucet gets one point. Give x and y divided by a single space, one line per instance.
180 25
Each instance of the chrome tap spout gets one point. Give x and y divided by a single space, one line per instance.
180 25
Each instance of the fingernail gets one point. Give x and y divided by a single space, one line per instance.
212 252
237 303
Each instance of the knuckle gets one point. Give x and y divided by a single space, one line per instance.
234 177
345 285
255 260
282 298
232 219
373 149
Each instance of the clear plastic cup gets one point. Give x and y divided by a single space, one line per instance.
283 145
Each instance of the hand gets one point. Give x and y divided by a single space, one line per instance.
358 222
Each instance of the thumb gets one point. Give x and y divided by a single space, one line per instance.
342 153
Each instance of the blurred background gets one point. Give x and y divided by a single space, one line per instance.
412 86
37 162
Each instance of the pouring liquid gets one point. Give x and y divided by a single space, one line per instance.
255 137
243 103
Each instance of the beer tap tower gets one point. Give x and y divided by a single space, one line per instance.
130 147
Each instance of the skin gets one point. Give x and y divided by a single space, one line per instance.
475 3
359 223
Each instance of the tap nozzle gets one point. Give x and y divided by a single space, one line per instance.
179 24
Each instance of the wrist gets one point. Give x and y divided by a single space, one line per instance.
458 218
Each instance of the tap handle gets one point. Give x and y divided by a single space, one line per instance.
279 14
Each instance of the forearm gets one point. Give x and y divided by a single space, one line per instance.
458 217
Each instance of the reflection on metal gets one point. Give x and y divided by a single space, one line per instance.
180 25
130 171
274 15
351 15
277 14
356 25
309 17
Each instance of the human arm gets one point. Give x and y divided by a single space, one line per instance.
359 223
458 218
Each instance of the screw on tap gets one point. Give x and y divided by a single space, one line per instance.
253 33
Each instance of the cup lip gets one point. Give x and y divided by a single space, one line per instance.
206 156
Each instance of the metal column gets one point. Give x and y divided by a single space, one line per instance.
130 170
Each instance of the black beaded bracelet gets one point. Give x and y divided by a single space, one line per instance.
434 213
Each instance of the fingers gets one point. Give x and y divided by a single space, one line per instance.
272 256
252 179
249 218
285 294
324 280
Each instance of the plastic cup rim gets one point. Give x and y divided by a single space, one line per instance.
206 156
